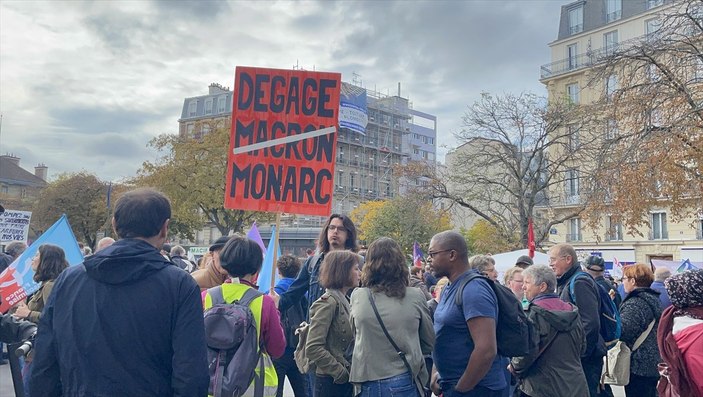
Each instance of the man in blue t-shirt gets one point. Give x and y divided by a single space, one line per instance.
466 362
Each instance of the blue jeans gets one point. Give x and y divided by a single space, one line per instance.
396 386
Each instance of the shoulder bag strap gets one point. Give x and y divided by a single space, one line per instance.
400 353
644 335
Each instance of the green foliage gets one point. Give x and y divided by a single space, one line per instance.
405 219
82 197
484 238
192 174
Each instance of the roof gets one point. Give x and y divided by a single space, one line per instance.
13 174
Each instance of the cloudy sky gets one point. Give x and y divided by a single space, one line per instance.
86 85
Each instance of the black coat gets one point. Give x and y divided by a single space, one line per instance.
126 322
639 308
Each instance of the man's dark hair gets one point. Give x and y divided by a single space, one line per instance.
141 213
350 244
241 256
335 272
288 265
52 261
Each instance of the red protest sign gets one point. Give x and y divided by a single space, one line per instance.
283 141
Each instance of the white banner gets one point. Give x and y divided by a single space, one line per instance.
14 225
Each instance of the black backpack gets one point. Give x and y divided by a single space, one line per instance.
516 335
233 352
291 319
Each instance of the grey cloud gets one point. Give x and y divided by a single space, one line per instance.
96 120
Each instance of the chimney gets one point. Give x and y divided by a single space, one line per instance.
41 171
12 158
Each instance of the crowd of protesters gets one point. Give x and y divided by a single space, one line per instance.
128 321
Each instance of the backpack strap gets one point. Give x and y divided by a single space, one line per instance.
459 297
249 296
572 282
216 295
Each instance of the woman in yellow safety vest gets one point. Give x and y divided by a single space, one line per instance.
242 259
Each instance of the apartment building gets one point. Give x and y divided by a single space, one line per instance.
589 31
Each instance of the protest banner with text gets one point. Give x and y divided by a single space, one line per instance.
283 141
14 225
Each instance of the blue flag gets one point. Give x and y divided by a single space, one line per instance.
264 280
16 282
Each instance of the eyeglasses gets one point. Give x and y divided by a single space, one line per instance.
552 259
432 254
332 228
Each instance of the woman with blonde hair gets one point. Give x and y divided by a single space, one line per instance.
393 327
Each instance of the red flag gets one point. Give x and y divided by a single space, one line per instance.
530 239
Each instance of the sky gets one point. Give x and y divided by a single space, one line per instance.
84 86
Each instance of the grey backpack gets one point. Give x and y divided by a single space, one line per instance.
232 349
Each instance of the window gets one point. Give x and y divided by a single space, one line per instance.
576 20
611 84
654 3
572 56
659 230
611 129
574 138
572 182
572 91
205 129
614 229
651 26
208 106
221 104
416 151
351 179
574 230
189 130
613 10
192 108
610 42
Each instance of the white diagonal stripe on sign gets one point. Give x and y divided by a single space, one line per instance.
284 140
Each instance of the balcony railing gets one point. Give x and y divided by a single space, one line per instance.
587 59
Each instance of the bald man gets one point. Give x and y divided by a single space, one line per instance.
473 367
104 243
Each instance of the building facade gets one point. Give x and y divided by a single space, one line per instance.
19 187
364 167
589 31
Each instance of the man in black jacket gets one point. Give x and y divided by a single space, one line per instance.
126 322
563 260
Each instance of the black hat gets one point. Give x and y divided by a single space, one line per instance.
219 243
595 263
524 260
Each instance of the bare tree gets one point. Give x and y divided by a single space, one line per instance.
518 159
654 119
